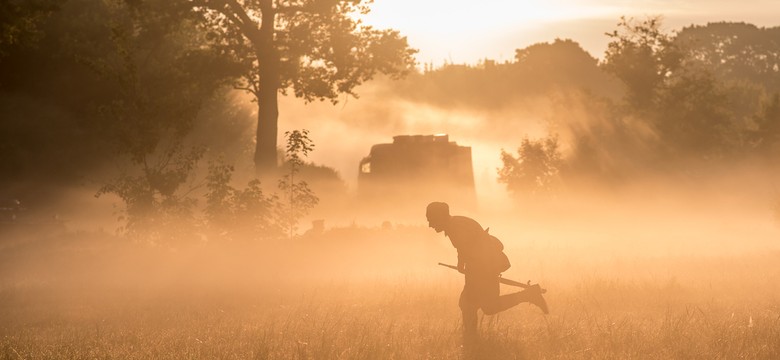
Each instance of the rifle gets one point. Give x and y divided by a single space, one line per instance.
505 281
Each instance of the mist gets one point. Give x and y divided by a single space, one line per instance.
144 215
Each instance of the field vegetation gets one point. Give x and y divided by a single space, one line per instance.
640 189
357 292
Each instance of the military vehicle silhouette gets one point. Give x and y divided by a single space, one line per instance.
414 169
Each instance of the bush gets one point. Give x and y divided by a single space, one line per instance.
535 169
157 208
232 213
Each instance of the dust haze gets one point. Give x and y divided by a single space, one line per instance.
647 229
647 220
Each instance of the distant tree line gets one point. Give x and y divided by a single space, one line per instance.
657 102
85 84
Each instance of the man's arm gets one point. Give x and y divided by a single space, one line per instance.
461 264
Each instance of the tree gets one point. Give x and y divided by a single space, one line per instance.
734 51
534 170
41 129
239 214
642 56
160 73
694 117
317 48
95 79
21 22
539 70
562 64
300 198
157 77
156 209
689 111
767 135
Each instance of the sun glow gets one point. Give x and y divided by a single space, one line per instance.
458 30
454 17
467 31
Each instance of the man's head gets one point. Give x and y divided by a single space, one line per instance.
438 214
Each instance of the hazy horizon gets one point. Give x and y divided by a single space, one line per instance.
467 32
175 183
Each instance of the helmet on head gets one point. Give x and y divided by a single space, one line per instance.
437 210
438 214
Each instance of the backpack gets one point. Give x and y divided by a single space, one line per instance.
496 260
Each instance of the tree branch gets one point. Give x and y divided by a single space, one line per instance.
242 18
233 11
247 89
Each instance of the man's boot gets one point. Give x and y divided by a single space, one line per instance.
534 296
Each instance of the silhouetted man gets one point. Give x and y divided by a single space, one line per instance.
477 254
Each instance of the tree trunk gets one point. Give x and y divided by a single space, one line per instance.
268 92
267 129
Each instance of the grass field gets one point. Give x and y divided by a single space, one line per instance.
361 293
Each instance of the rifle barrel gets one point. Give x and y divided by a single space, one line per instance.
501 280
453 267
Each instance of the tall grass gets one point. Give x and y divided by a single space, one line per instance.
81 296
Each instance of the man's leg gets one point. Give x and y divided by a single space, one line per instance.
469 310
503 302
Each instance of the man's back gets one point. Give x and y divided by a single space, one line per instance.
464 232
475 246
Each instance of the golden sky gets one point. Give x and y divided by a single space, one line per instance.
466 31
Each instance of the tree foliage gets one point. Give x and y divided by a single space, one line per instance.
161 73
85 84
102 79
642 56
300 198
692 114
317 49
157 206
535 170
767 133
539 70
22 22
239 214
703 95
160 202
734 52
694 118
